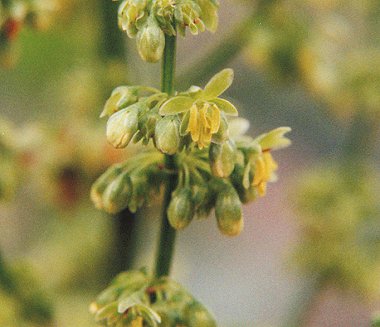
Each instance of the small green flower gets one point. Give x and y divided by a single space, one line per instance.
188 14
201 109
132 15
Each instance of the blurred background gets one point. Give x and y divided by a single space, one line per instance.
310 251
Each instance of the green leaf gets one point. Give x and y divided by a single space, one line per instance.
176 105
227 107
219 83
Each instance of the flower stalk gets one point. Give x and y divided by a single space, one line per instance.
166 245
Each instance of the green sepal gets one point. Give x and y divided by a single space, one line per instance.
184 124
176 105
218 84
227 107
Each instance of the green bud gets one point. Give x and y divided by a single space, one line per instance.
197 315
117 194
122 125
101 184
228 211
222 158
166 135
222 135
121 97
181 209
151 41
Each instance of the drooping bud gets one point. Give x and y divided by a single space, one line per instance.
197 315
151 41
181 209
117 194
166 135
122 125
222 158
101 184
228 211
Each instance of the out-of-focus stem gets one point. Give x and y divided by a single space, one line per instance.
112 47
168 234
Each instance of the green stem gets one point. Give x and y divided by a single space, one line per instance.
168 65
168 234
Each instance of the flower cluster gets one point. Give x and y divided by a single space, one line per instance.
149 20
218 167
142 113
135 299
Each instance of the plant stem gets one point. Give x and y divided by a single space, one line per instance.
168 234
168 65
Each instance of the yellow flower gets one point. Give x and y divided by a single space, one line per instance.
204 121
265 166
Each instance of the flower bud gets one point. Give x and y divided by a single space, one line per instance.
151 41
122 125
122 96
166 135
228 212
197 315
222 158
101 184
181 209
117 194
